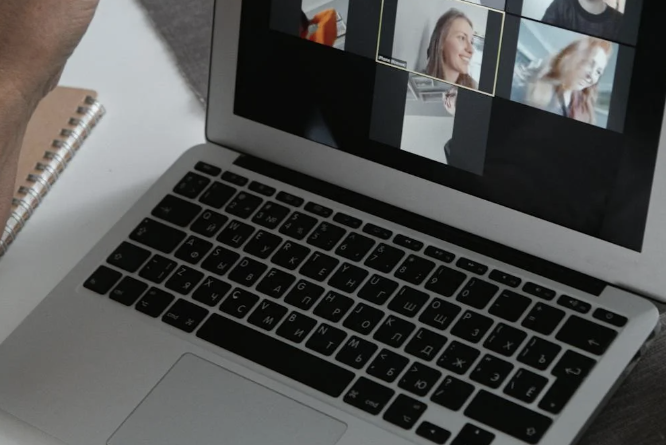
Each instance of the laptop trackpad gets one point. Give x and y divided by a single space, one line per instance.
200 403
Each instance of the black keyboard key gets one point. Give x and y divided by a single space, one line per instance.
505 340
405 412
220 261
244 205
157 269
239 303
270 215
433 433
233 178
491 371
439 254
610 317
217 195
377 231
275 283
574 304
211 291
445 281
363 319
235 234
408 243
184 280
510 306
191 185
425 345
347 220
472 327
326 339
290 255
473 435
193 250
318 210
208 169
414 269
409 301
394 331
296 327
247 272
333 307
355 247
128 291
326 236
419 379
458 358
356 352
477 293
209 223
157 235
452 393
378 289
262 244
525 386
276 355
319 266
387 366
384 258
267 315
571 371
290 199
543 318
368 396
102 280
508 417
185 316
348 278
298 225
539 291
440 314
539 353
176 211
504 278
128 257
262 189
154 302
304 295
471 266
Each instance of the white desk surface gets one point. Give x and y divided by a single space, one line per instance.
152 118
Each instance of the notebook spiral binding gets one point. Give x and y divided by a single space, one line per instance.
56 159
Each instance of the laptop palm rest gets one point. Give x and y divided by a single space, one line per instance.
199 403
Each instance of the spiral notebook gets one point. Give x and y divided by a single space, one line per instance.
62 122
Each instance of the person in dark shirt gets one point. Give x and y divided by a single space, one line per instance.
591 17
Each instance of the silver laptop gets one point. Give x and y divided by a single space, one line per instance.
412 222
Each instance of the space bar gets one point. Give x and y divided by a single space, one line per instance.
276 355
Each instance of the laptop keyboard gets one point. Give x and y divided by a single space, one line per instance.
385 323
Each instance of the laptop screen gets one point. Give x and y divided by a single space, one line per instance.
549 107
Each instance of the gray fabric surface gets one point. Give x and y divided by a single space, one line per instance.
636 415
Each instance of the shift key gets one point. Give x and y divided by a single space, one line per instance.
508 417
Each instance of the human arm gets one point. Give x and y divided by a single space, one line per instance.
36 39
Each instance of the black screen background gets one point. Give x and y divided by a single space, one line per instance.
591 180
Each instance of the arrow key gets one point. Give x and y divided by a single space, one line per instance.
433 433
405 412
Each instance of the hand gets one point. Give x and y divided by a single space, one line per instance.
36 39
450 99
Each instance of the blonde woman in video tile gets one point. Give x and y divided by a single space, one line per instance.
450 51
567 84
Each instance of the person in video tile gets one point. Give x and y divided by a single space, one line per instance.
592 17
450 51
567 84
322 28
